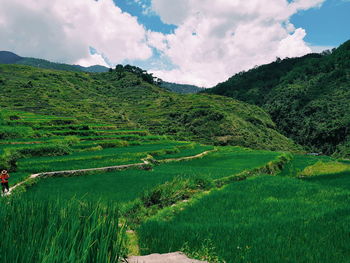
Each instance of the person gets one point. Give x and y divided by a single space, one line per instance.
4 181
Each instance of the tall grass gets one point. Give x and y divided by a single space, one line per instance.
54 231
262 219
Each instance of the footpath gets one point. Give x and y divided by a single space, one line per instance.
175 257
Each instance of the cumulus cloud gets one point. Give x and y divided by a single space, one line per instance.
93 59
63 31
216 39
213 39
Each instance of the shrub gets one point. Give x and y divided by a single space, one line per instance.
9 158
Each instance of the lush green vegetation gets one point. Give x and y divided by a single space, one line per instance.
307 97
180 88
99 145
265 219
149 200
299 162
222 206
322 168
124 186
126 99
38 230
94 158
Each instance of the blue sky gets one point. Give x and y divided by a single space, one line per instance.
326 26
141 9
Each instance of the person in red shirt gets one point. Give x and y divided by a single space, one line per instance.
4 180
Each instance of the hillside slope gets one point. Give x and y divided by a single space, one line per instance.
308 97
7 57
181 88
124 98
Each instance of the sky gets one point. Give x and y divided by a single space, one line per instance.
199 42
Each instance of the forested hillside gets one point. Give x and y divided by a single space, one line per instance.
308 98
129 98
181 88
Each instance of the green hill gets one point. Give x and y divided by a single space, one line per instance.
127 98
308 97
42 63
7 57
181 88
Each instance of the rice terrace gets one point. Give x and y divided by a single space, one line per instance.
158 131
232 204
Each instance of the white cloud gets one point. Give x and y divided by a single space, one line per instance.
216 39
213 39
94 59
61 30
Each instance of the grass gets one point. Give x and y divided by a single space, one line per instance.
120 187
262 219
227 161
92 159
321 168
184 152
125 186
300 162
55 231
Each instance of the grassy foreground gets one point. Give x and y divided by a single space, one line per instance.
52 231
262 219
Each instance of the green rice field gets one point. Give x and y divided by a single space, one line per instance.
294 214
123 186
262 219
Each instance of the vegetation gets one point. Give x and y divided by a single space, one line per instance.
307 97
125 186
68 216
233 204
126 99
299 162
55 231
321 168
265 218
180 88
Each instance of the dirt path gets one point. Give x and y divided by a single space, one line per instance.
103 169
176 257
186 158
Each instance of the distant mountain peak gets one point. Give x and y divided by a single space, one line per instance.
7 57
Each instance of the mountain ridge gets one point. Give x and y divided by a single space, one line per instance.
308 97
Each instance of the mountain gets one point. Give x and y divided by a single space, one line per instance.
308 97
41 63
180 88
128 98
7 57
